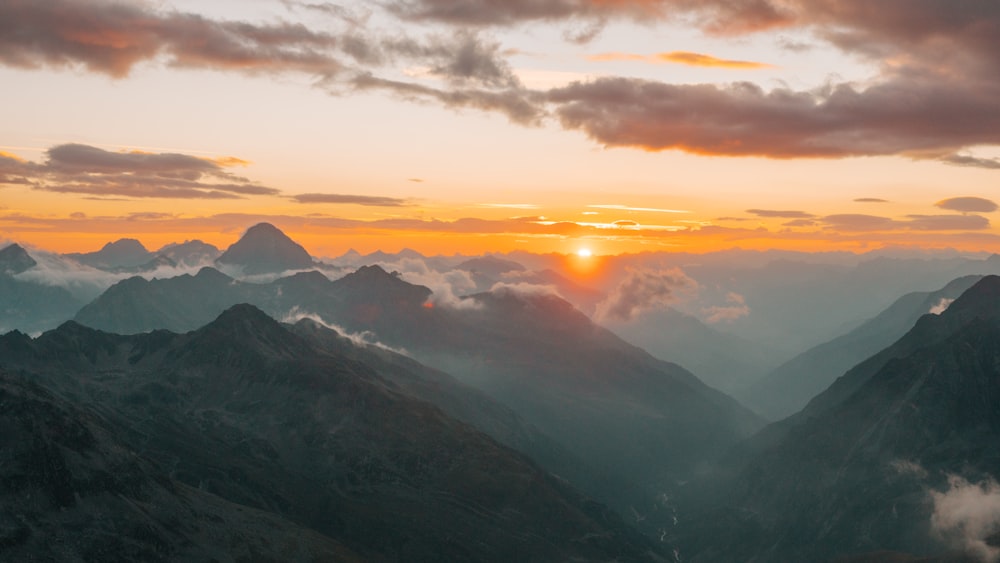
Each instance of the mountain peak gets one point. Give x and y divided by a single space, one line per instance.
124 245
980 300
264 249
14 259
245 333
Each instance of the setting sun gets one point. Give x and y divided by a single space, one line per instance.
584 253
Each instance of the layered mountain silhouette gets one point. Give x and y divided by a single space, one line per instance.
724 361
122 253
29 305
890 457
264 249
267 426
190 253
790 386
628 416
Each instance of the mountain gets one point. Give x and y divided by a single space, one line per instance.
14 260
629 417
790 386
249 412
896 456
122 253
77 491
264 249
180 304
29 305
190 253
724 361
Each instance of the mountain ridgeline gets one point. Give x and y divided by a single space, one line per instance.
898 454
257 409
268 426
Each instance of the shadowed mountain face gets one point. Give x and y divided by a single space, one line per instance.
247 411
790 386
264 249
75 490
887 459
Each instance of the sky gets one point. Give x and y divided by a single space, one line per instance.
471 126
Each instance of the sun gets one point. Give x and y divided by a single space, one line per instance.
584 253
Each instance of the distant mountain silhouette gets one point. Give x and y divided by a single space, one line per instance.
30 305
14 259
122 253
190 253
248 412
790 386
264 249
724 361
852 472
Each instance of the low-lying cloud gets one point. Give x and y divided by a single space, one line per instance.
735 308
642 290
966 514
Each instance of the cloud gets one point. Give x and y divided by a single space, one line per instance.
735 308
870 200
972 162
112 37
740 16
946 222
642 290
518 104
742 119
935 95
784 214
374 201
359 339
966 514
524 288
679 57
941 306
968 204
800 223
83 169
861 222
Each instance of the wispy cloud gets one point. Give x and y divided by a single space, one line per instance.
367 200
631 208
92 171
968 204
783 214
679 57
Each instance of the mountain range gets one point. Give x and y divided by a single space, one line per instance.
899 454
273 429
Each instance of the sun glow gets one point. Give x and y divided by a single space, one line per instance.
584 253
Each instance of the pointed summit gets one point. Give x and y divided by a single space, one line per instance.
264 249
243 334
14 260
